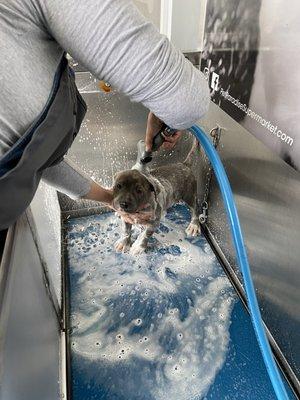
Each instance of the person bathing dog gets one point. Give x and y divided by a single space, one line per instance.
41 109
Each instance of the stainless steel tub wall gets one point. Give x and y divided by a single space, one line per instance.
47 218
29 327
32 357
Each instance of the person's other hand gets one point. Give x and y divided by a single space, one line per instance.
170 141
154 124
142 218
101 194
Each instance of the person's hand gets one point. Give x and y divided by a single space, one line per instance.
170 141
154 124
142 218
101 194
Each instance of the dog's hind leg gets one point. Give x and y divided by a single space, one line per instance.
194 228
124 243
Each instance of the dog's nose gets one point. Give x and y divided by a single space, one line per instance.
124 205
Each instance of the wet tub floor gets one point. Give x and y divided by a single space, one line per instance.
162 325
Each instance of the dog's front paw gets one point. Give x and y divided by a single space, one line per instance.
194 229
137 248
123 245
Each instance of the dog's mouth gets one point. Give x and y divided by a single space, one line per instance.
144 208
143 215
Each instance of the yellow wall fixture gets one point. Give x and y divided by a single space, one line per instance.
104 86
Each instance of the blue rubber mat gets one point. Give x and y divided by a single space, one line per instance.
162 325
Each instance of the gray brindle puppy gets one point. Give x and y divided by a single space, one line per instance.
136 194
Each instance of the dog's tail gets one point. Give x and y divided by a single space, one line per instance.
195 149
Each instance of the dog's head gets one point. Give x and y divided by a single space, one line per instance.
131 191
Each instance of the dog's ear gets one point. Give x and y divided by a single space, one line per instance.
116 176
151 186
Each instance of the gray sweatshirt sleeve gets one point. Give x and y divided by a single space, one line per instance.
117 44
67 178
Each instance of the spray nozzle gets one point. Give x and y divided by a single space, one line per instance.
144 156
158 140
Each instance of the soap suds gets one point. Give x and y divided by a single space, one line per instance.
167 311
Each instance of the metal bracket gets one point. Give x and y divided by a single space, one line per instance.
203 216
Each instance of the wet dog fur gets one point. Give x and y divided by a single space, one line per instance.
154 192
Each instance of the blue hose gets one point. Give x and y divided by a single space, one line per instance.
240 249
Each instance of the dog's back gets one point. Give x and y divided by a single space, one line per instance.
179 177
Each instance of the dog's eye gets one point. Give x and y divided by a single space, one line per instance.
118 186
139 190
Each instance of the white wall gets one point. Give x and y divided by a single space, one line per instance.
150 9
183 22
